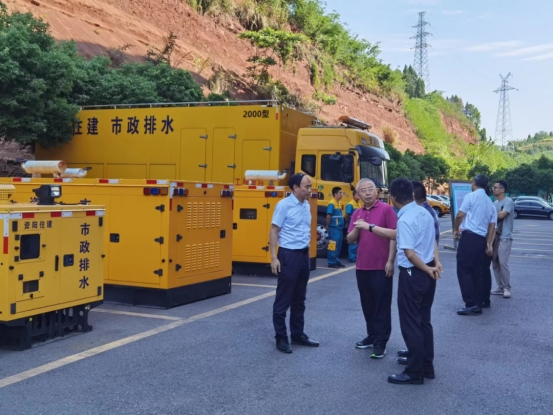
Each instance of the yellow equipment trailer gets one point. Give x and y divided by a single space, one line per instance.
253 210
167 242
51 268
220 143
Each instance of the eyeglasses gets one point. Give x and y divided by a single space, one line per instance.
363 191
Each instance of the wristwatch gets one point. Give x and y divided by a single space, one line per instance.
371 226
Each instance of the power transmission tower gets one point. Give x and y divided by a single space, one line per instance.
503 129
421 54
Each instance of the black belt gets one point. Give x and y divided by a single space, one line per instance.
302 250
471 232
430 264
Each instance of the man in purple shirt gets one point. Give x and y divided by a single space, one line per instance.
374 267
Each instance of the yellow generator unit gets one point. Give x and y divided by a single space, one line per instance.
51 267
254 206
167 242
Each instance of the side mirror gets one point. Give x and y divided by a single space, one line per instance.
347 166
377 161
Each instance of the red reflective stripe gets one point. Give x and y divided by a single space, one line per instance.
6 240
270 187
17 179
226 186
252 187
170 204
90 213
180 184
204 185
103 181
28 215
58 180
55 214
151 181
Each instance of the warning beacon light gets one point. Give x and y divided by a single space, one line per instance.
47 193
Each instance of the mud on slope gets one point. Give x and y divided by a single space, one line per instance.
97 25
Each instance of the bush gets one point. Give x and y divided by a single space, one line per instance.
390 135
327 99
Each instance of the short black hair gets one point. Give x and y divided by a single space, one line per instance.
354 192
295 180
336 190
481 181
402 190
503 184
419 190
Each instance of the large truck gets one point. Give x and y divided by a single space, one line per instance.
225 143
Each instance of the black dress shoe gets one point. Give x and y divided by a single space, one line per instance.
402 353
404 379
429 375
402 360
303 340
486 305
283 345
470 311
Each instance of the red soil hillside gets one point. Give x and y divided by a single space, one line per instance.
203 45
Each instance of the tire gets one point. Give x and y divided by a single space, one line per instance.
438 211
322 241
515 214
551 216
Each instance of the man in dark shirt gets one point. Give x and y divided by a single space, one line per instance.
419 192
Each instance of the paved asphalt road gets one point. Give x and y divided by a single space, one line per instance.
218 356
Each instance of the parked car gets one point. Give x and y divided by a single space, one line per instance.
439 207
438 198
540 199
532 207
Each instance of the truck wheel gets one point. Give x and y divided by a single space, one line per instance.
322 241
438 211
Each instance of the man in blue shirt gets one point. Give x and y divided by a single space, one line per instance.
419 268
476 219
335 228
291 231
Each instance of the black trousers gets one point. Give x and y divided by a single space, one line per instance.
487 285
471 263
291 291
375 290
415 296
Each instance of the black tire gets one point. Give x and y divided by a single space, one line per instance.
551 216
438 211
322 252
515 214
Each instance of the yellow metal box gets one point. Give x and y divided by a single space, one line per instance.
253 212
51 263
167 242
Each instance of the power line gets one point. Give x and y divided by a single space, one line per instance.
421 53
503 128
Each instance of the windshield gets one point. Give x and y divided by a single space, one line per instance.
375 173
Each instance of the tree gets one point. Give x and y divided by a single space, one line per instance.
479 168
473 115
36 75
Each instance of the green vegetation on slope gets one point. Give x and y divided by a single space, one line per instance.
44 82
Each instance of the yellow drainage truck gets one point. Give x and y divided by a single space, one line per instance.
214 142
51 266
167 242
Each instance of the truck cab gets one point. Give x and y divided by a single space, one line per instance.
340 157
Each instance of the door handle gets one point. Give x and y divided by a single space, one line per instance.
57 263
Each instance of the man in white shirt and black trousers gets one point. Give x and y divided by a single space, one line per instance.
419 268
475 226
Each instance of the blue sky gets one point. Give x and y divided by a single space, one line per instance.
473 42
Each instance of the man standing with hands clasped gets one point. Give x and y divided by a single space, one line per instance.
291 229
375 266
476 218
419 268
